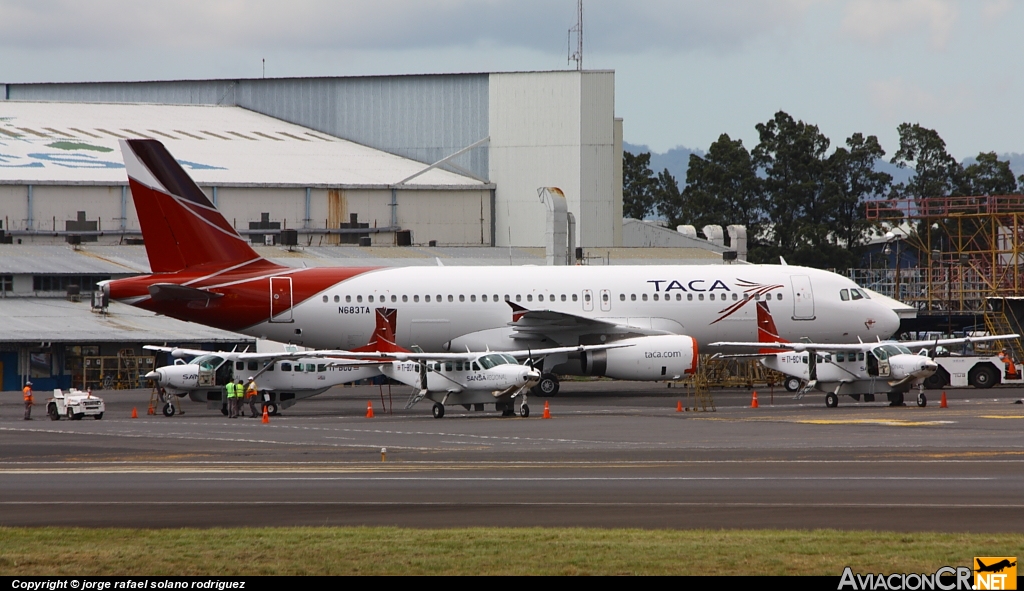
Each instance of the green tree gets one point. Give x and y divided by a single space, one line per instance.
722 189
937 174
638 185
853 180
791 156
988 176
668 199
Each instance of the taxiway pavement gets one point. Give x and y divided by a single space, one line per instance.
613 454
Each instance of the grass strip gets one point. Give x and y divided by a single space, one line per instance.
475 551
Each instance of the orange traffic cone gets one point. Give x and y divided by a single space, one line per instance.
266 416
943 403
547 411
753 401
369 409
135 413
679 406
151 410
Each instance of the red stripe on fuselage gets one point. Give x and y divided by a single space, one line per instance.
246 299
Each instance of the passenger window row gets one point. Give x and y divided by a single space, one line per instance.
573 297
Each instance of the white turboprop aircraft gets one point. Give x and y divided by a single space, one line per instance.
856 370
203 271
468 379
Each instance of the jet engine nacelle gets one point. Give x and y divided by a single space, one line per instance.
663 357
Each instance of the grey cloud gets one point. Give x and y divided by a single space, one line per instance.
619 27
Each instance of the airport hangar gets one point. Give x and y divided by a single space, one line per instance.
441 162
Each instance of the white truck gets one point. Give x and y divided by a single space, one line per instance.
74 405
971 370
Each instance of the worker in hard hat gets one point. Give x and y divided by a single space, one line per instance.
29 402
1011 367
251 392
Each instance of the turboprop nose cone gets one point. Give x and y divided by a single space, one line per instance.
154 375
532 376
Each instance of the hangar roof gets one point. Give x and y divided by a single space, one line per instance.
28 320
37 259
76 143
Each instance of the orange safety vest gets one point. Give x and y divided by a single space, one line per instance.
252 390
28 394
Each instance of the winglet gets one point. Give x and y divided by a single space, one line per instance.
383 339
517 310
766 330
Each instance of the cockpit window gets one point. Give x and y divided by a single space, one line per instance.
208 361
844 295
885 351
857 294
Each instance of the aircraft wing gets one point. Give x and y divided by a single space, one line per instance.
176 351
535 324
796 347
245 356
467 356
960 341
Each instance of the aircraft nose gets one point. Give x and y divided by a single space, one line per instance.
532 376
887 322
154 375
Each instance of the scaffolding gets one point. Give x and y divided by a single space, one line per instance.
970 254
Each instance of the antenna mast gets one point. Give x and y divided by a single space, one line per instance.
577 56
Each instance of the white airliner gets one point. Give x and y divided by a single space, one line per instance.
203 271
855 370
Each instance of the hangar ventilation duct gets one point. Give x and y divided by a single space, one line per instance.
559 227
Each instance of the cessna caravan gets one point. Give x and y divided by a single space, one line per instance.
203 271
857 370
469 379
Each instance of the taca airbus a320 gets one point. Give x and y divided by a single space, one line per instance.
204 271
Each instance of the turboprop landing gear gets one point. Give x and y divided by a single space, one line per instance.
831 400
922 401
438 410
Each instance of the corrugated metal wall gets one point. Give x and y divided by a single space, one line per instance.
424 118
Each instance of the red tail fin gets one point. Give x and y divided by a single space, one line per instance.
383 339
181 227
766 330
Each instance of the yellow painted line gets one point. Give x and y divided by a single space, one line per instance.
1001 417
885 422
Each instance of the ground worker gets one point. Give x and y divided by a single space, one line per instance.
229 388
239 393
27 392
1007 359
251 392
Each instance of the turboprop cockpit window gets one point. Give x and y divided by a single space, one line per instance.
844 294
208 361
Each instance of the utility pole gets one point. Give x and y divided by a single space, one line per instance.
577 56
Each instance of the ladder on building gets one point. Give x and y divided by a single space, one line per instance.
127 369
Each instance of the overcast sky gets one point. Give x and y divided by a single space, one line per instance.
686 70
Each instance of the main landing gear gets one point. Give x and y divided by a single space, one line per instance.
547 386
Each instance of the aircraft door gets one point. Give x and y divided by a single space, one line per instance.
281 299
606 300
882 356
803 298
588 300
